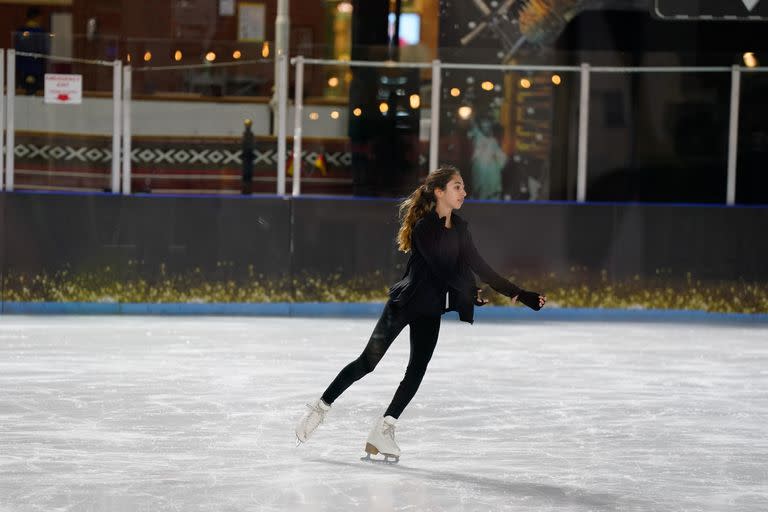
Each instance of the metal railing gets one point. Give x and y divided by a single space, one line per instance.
122 90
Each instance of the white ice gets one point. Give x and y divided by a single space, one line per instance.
171 413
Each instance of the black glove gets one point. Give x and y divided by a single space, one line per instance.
530 299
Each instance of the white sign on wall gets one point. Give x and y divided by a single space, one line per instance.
64 89
250 22
226 7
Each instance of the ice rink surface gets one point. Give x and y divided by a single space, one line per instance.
174 413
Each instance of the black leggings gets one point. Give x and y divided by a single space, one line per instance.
424 331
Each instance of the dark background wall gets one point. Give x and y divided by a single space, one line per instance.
191 20
91 248
161 27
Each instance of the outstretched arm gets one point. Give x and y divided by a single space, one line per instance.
478 265
486 273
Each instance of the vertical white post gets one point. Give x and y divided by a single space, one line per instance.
127 92
282 38
10 143
434 117
298 114
733 135
282 113
2 113
117 108
581 173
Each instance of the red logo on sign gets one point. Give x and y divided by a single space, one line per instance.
63 97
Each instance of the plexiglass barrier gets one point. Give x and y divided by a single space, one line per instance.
541 132
652 140
500 125
374 142
512 130
208 120
197 128
61 135
752 180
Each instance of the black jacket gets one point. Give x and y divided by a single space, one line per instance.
423 288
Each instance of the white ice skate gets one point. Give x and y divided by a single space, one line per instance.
311 420
381 440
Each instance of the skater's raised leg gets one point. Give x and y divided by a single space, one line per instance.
388 327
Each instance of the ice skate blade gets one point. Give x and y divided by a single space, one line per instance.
372 450
390 460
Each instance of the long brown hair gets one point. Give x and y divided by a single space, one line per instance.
421 202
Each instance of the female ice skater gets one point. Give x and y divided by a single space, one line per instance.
438 278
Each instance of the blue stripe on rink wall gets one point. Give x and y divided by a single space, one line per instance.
370 310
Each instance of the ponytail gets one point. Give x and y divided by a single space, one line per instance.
416 206
421 202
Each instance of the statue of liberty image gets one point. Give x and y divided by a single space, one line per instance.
488 160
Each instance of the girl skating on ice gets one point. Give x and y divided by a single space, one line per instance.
438 278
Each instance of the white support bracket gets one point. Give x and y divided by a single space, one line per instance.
434 115
581 171
10 101
282 114
733 136
126 153
117 111
298 113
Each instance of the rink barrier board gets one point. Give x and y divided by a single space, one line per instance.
269 250
373 310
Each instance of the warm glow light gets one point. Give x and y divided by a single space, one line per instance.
210 56
455 92
334 114
556 79
147 56
383 107
465 112
415 101
237 54
487 86
128 57
357 112
265 50
333 81
750 60
177 56
525 83
344 7
314 116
